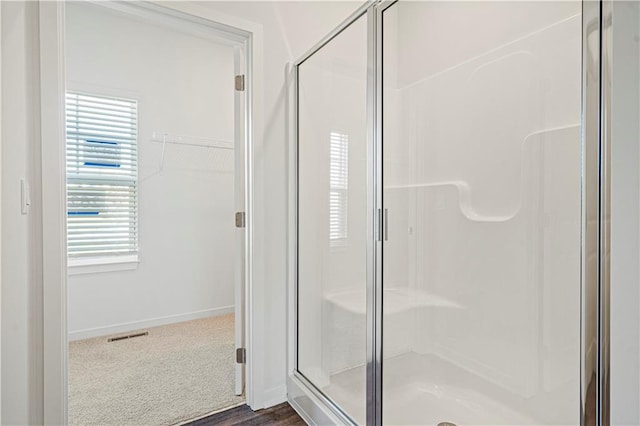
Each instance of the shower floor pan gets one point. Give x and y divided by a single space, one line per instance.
427 390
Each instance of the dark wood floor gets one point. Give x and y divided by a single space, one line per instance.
281 414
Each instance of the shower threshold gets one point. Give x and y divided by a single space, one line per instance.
427 390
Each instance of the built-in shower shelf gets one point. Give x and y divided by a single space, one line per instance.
396 300
464 200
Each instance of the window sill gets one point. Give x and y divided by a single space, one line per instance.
96 265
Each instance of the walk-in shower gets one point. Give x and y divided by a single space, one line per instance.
450 203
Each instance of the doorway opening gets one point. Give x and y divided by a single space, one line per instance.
156 139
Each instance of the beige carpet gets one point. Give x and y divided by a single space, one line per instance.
177 372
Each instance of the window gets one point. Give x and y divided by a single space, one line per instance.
102 174
339 187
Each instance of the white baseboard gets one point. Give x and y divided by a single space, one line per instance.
153 322
275 396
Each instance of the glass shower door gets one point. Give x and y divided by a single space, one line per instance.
482 182
332 208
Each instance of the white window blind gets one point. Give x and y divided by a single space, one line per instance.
339 187
102 174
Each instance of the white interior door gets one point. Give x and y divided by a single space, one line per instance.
241 230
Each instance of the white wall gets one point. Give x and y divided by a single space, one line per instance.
625 211
184 86
289 29
21 285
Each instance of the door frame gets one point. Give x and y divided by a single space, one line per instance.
594 363
52 170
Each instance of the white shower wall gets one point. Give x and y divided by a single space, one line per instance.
482 186
184 86
482 183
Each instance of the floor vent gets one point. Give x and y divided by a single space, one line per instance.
129 336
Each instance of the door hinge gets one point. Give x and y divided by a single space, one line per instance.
240 220
241 356
240 83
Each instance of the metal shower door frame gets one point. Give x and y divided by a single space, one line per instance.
596 212
595 219
304 396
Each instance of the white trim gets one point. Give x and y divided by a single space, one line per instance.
290 115
275 396
94 265
53 211
51 29
88 333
